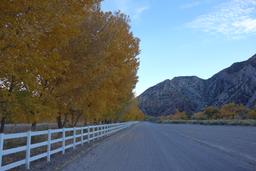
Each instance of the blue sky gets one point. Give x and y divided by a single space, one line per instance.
188 37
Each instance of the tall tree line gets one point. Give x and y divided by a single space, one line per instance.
64 60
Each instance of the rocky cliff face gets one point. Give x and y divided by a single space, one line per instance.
235 84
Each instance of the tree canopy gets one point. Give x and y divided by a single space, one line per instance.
65 59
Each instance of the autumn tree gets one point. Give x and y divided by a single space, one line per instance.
65 59
199 116
31 35
102 70
132 112
179 116
233 111
252 114
211 112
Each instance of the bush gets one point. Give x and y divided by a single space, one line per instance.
233 111
211 112
199 116
179 116
252 114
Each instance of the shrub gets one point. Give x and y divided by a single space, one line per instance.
252 114
179 116
199 116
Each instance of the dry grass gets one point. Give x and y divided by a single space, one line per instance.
16 128
13 143
212 122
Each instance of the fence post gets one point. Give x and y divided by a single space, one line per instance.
103 130
98 132
94 134
107 130
49 145
110 129
74 138
99 129
103 126
1 148
82 135
63 140
28 150
88 134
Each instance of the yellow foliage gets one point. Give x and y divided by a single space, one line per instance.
132 112
179 116
252 114
199 116
65 59
233 111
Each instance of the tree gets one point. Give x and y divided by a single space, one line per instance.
102 70
75 63
252 114
211 112
199 116
233 111
179 116
31 35
132 112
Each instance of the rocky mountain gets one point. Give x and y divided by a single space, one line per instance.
191 94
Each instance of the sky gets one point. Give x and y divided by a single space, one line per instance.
188 37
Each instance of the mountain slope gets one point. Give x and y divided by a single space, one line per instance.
234 84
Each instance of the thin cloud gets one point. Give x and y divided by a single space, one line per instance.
138 12
192 4
235 18
132 8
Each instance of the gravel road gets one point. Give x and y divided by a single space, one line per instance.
165 147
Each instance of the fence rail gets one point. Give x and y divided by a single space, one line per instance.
66 137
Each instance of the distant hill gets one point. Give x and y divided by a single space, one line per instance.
191 94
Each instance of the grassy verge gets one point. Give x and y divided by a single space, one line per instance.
212 122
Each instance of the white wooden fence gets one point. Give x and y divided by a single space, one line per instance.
77 136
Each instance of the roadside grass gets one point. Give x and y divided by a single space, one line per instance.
13 143
249 122
23 127
18 142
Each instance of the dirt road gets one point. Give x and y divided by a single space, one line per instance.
160 147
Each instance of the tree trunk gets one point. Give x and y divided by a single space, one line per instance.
33 126
77 119
2 124
72 119
65 120
59 122
85 122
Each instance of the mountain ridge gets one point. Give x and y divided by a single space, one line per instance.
236 83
